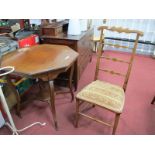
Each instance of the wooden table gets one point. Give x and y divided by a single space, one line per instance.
45 62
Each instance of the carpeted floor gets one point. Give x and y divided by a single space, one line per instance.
137 118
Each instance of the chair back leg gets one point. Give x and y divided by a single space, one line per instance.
117 116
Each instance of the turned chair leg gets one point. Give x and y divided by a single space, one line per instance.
117 116
77 113
153 100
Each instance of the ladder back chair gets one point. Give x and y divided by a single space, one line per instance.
104 94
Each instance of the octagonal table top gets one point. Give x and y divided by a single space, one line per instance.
40 59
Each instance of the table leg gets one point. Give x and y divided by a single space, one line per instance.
52 102
70 81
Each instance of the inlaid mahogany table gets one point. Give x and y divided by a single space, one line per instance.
43 62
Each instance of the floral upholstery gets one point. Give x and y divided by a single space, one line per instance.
103 94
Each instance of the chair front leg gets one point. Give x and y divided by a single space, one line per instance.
77 113
117 116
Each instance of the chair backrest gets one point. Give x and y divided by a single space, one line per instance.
102 30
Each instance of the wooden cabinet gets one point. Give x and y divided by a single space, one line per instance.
84 48
81 44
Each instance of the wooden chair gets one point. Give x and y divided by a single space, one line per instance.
103 94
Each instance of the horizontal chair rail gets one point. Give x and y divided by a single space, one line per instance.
95 119
112 72
115 59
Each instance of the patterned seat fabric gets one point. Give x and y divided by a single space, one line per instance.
104 94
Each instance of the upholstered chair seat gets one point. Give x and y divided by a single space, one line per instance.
103 94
